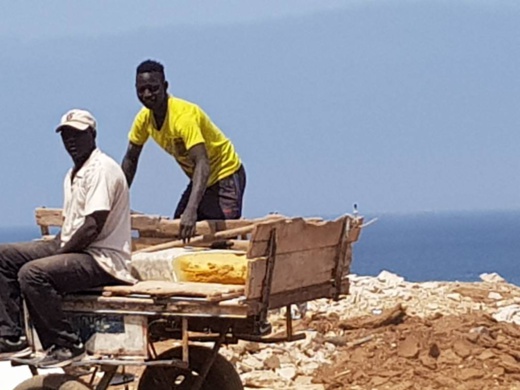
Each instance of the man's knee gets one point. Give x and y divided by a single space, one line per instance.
8 252
30 274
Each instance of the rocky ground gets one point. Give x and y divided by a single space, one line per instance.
393 334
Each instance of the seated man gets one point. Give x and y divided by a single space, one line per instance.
92 250
204 153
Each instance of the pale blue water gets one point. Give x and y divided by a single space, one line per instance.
428 246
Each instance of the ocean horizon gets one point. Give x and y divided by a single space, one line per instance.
443 246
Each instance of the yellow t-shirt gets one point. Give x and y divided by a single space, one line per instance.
185 126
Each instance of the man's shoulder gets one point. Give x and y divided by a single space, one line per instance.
104 162
142 117
180 107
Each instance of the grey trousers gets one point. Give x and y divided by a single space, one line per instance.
34 270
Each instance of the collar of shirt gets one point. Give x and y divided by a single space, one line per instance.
81 171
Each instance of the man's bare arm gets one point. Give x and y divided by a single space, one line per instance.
87 233
199 156
130 161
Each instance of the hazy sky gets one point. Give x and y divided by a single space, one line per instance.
399 106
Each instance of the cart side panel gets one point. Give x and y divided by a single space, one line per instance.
306 259
295 235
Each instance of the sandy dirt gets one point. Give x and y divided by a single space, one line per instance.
396 351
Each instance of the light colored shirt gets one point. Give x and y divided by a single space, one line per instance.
100 185
185 126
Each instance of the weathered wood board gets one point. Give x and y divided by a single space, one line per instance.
292 271
298 234
155 288
294 235
307 254
153 226
230 308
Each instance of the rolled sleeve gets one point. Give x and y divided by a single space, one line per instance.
138 134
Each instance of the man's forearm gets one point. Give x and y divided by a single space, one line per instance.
86 234
200 180
129 167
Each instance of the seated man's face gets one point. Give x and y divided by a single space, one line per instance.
79 144
151 89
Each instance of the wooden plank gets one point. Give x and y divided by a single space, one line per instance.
295 235
163 227
155 225
48 217
199 239
139 243
292 270
144 242
148 306
341 258
325 290
356 224
171 289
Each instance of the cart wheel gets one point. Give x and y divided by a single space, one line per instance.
221 376
52 382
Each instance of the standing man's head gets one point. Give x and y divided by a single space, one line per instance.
151 85
78 133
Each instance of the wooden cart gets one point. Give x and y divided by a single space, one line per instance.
291 261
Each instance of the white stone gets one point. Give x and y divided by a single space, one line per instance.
454 296
287 372
303 380
308 368
263 354
509 313
492 278
253 362
494 295
390 278
263 379
285 359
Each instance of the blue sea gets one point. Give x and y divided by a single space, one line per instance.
426 246
441 246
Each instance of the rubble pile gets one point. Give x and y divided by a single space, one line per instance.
392 334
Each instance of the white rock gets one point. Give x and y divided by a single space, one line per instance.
303 380
253 362
264 354
308 368
454 296
263 379
285 359
287 372
509 313
243 368
492 278
495 296
390 278
228 353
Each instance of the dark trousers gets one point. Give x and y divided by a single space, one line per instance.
222 200
34 270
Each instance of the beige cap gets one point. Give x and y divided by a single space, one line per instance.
78 119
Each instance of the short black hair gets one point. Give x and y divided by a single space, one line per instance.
149 66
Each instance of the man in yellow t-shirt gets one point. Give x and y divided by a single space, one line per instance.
204 153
